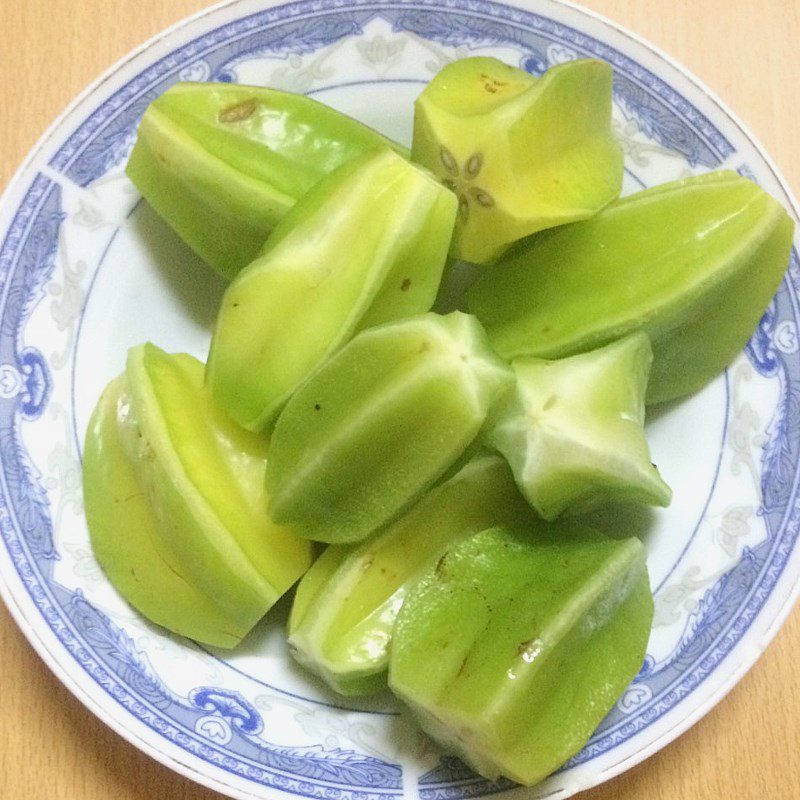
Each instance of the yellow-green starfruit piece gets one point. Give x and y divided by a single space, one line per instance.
515 645
222 163
176 505
521 153
366 245
573 430
379 423
692 263
346 604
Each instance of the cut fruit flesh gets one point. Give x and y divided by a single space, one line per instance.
521 153
379 423
223 163
515 646
573 431
199 481
692 263
124 536
366 245
346 604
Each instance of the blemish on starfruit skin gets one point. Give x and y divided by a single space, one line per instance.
223 163
366 245
239 111
176 507
693 263
573 430
511 654
346 604
403 402
521 153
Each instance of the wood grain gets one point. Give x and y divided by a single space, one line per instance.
52 748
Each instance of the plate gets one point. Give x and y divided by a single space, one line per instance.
87 270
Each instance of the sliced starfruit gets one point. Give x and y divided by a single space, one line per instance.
222 163
693 263
379 423
346 604
521 153
516 645
176 505
366 245
573 431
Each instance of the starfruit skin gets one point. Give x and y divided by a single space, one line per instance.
379 423
693 263
366 245
346 604
176 507
222 163
522 153
573 430
516 645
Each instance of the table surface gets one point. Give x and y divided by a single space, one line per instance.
51 747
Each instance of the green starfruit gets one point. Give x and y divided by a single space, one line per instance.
176 506
522 153
379 423
516 645
222 163
693 263
573 431
346 604
366 245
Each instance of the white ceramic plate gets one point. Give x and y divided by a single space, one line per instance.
86 270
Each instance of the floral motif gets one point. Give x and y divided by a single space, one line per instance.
84 564
560 54
68 296
229 705
64 478
381 53
674 602
300 74
214 728
734 525
637 151
745 436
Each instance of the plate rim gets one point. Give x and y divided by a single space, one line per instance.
38 638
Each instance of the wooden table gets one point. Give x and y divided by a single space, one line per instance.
52 748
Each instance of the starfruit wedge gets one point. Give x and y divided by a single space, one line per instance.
516 645
573 431
176 506
693 263
222 163
346 604
366 245
379 423
521 153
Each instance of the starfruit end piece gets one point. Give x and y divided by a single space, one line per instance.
573 431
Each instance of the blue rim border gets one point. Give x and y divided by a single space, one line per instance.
42 188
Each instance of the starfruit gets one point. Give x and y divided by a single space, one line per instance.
176 506
379 423
222 163
346 604
573 431
516 645
366 245
693 263
522 153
